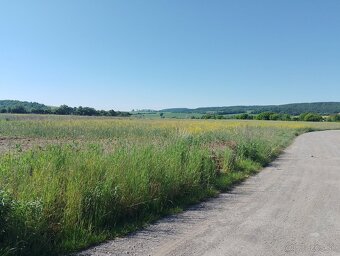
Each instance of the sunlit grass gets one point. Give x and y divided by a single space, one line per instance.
63 197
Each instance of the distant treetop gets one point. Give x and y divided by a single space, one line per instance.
322 108
24 107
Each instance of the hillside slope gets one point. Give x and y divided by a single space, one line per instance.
323 108
25 106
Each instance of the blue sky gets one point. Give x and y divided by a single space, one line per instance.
169 53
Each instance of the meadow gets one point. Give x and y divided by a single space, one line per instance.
83 180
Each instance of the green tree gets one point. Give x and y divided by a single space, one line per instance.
311 117
264 116
64 110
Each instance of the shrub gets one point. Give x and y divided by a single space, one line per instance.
310 117
264 116
244 116
275 116
334 118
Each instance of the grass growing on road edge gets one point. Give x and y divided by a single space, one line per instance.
61 198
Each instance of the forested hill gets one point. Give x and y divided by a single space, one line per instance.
24 107
323 108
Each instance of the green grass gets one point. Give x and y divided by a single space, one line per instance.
156 115
110 177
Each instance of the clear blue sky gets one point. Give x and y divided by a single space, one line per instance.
169 53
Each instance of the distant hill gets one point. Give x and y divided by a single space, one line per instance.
323 108
23 106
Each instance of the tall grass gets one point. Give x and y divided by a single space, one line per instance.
64 197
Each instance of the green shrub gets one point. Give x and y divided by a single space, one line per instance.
244 116
264 116
334 118
311 117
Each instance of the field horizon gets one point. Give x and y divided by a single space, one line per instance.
24 107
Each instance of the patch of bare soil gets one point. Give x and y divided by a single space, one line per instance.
8 144
16 144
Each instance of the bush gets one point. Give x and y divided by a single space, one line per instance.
273 116
286 117
64 110
310 117
17 110
244 116
212 116
334 118
264 116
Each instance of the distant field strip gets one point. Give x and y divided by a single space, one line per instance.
67 183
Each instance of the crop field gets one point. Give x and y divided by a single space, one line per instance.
70 182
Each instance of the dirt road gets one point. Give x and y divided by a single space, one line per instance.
291 208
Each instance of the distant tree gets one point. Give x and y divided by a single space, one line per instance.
64 110
313 117
334 118
22 107
123 114
48 111
212 116
18 109
161 115
244 116
207 116
111 112
103 113
302 116
86 111
37 111
275 116
286 117
89 111
264 116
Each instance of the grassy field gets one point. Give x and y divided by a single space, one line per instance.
156 115
90 179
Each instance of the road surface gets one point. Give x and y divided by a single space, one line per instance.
292 207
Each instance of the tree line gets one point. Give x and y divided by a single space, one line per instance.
62 110
294 109
307 117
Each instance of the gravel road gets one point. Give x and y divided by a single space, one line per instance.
291 207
